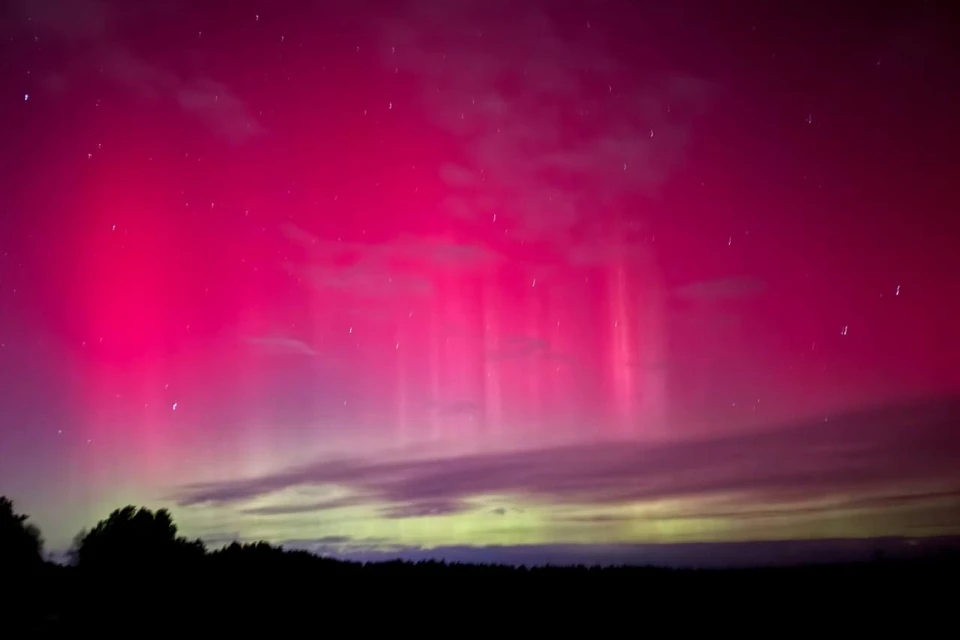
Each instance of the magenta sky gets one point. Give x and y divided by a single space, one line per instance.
392 276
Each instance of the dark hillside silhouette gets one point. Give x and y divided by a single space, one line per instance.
133 572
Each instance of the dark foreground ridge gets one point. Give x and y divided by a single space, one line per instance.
133 575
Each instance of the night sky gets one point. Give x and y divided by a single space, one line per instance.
427 277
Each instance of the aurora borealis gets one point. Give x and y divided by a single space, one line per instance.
376 277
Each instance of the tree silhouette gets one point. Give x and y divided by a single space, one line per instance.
21 547
135 538
134 567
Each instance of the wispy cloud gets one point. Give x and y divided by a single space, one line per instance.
866 454
516 347
221 110
281 346
461 408
598 251
305 507
84 25
72 20
209 101
423 509
895 499
633 129
406 250
367 281
400 268
720 289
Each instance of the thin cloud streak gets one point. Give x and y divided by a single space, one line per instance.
865 453
721 289
281 346
403 268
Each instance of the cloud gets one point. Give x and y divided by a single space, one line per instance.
72 20
512 91
949 499
515 346
218 108
308 507
878 455
241 490
461 408
281 346
209 101
402 268
424 509
367 281
603 251
87 26
439 252
422 252
600 518
455 175
720 289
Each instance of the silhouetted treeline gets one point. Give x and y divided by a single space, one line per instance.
132 574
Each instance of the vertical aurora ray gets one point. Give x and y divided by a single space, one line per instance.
436 338
403 405
493 391
124 295
651 358
622 351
